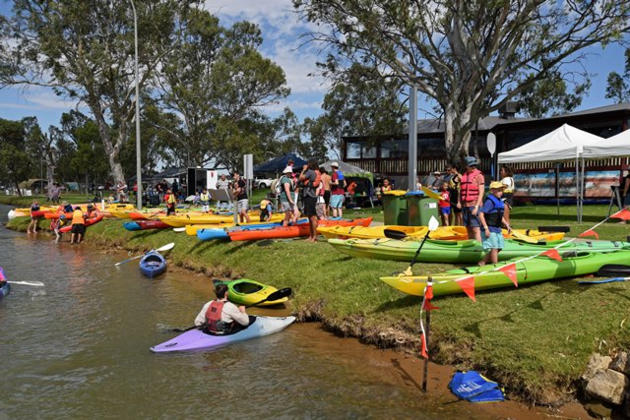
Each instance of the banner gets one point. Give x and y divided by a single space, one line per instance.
211 180
597 184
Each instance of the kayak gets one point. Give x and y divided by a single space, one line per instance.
295 231
531 271
193 229
152 264
188 219
196 339
6 287
418 232
145 224
207 234
468 251
88 222
249 292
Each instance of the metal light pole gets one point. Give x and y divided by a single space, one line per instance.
138 160
412 170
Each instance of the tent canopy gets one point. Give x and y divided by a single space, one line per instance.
563 143
279 163
617 145
348 170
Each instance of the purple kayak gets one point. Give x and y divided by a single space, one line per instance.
198 340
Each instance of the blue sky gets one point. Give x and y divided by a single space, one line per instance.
281 31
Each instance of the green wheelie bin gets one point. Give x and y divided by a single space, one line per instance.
394 209
420 209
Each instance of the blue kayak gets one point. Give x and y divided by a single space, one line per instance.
152 264
131 226
6 287
222 233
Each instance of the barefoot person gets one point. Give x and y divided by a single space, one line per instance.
242 202
337 194
471 196
220 316
78 226
286 196
310 179
492 218
32 226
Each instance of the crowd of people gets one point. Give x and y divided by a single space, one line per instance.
69 215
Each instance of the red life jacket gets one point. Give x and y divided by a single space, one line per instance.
470 189
213 316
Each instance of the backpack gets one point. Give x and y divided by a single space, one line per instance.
342 181
276 186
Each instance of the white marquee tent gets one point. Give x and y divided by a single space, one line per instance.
617 145
564 143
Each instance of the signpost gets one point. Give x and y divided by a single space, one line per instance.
491 143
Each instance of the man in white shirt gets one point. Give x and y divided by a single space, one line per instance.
221 316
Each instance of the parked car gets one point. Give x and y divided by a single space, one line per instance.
262 182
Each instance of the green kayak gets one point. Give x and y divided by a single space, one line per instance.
458 252
532 271
249 292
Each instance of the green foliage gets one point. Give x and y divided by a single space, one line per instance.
551 96
15 162
618 87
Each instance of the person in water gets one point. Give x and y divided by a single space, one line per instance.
491 217
57 224
32 226
78 226
220 316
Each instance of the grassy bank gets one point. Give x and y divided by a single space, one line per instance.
14 200
534 340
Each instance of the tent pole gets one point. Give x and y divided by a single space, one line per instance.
577 188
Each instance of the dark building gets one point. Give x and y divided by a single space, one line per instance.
388 155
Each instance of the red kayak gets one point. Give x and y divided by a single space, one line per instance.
38 214
88 222
296 231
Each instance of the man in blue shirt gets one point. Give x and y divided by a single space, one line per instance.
491 218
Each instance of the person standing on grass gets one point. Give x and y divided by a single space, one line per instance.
507 179
204 197
321 192
242 202
326 186
445 204
32 226
310 180
286 196
454 183
171 201
491 216
626 189
338 190
295 191
471 197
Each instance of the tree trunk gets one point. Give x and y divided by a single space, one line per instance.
17 186
457 133
111 149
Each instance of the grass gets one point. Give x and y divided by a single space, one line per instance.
18 201
535 341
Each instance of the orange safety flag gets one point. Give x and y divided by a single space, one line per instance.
428 295
510 271
622 214
427 306
553 254
468 286
423 350
589 232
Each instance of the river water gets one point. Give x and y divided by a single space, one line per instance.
79 348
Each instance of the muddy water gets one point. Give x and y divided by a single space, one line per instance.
79 348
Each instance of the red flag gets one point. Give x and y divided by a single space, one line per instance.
468 286
423 350
589 233
622 214
553 254
510 271
428 306
428 292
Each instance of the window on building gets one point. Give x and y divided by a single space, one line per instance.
368 151
395 148
353 150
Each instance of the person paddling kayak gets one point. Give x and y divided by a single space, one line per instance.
221 317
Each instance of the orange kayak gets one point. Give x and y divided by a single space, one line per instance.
88 222
296 231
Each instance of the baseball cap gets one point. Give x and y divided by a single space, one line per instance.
497 185
334 164
471 161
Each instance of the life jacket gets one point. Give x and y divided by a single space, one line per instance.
77 217
496 214
68 208
214 325
315 184
35 207
204 197
469 189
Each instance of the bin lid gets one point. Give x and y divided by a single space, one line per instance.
417 193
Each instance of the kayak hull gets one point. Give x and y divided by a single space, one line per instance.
457 252
152 264
249 292
145 225
188 219
196 340
89 222
282 232
532 271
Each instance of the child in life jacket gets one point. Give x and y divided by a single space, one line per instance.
56 224
219 317
491 218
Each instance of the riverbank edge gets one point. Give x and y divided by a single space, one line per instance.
445 350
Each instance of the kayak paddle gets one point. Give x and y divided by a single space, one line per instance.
164 248
611 280
278 294
431 194
433 225
395 234
179 229
524 238
27 283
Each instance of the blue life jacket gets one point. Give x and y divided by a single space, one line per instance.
494 216
473 387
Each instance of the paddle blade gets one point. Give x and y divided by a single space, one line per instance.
27 283
179 229
394 234
433 224
430 193
279 294
166 247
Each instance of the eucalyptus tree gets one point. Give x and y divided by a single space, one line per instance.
15 162
84 50
469 56
618 87
215 83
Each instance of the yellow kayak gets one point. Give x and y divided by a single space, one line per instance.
211 219
455 233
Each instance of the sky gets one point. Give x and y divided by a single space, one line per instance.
281 30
